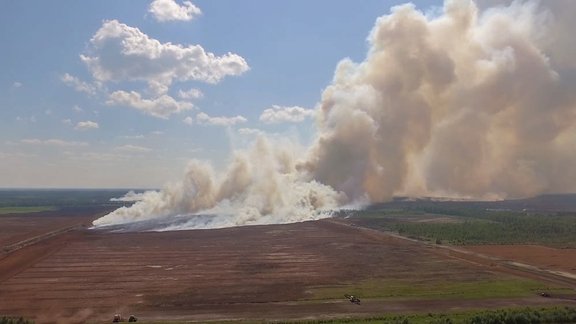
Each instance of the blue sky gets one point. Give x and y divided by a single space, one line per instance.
76 111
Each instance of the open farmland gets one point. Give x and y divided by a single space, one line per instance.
20 226
262 272
563 260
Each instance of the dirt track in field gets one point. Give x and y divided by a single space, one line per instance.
19 227
540 256
258 272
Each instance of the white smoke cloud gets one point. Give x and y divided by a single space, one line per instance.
246 194
131 196
170 10
468 102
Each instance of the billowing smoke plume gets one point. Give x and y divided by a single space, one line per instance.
261 186
465 103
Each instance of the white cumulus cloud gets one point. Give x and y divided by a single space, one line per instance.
190 94
160 107
169 10
118 52
132 149
86 125
188 120
205 119
52 142
280 114
250 131
133 137
78 85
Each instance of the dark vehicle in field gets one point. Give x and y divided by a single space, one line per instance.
353 299
118 318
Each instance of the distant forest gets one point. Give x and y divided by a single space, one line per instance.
60 197
505 222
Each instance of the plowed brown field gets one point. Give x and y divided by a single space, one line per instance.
257 272
540 256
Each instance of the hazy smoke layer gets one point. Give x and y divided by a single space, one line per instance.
462 103
260 187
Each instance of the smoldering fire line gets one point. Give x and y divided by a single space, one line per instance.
470 102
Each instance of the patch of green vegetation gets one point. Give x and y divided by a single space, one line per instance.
477 226
211 322
526 315
22 210
14 320
498 228
411 289
60 197
238 321
501 316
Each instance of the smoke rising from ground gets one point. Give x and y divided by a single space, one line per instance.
466 103
261 186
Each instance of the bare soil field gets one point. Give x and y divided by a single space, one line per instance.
27 238
257 272
18 227
540 256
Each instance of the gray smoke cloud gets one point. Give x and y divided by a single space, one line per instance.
468 103
472 102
